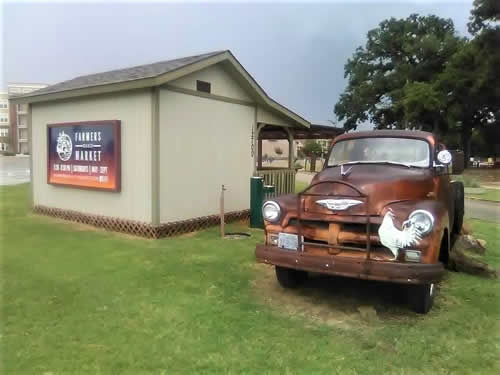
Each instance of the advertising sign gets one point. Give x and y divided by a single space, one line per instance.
84 154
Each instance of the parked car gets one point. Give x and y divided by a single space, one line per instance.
383 208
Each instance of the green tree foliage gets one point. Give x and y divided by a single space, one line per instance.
483 16
416 73
471 80
400 57
312 148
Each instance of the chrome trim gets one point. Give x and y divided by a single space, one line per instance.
274 204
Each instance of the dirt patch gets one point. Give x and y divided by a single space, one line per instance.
335 301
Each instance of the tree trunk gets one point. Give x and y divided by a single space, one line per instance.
466 142
435 129
313 163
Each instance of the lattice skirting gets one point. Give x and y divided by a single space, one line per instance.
142 229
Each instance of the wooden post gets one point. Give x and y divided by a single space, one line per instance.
259 153
222 212
291 155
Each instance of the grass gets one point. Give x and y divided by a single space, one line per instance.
79 300
489 194
300 185
468 180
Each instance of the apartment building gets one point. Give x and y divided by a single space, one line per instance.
4 122
18 115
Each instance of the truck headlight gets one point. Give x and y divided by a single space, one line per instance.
421 220
271 211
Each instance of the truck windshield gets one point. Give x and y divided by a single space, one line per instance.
404 151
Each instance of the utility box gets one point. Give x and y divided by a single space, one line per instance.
258 192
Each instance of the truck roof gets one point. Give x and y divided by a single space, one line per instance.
417 134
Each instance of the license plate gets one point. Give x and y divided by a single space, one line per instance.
288 241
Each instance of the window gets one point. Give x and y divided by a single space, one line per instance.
4 132
203 86
4 105
23 134
4 119
380 150
4 146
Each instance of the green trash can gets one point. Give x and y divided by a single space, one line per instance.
257 196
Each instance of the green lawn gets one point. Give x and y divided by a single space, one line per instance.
489 194
299 186
79 300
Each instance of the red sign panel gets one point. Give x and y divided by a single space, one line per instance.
84 154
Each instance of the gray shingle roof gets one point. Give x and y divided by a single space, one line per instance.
122 75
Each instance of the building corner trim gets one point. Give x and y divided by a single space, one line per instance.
155 157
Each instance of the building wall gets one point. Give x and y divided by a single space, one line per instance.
19 117
204 143
134 111
4 123
221 82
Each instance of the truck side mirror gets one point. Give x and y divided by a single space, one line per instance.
458 162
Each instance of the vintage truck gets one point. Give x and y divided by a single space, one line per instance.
383 208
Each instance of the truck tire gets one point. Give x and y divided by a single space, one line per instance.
421 297
459 208
289 278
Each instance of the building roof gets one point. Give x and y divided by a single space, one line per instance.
123 75
157 74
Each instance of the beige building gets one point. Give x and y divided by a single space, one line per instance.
19 139
4 123
188 126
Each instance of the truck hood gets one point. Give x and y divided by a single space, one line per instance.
381 183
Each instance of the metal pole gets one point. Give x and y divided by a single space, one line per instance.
222 211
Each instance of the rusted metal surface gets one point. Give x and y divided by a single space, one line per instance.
348 240
406 273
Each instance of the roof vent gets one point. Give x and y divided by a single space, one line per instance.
203 86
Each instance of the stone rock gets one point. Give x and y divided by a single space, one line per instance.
482 243
468 243
463 257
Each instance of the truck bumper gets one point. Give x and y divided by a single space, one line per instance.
403 273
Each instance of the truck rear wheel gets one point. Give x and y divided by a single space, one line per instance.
422 297
289 278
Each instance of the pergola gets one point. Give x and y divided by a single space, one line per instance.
273 132
284 178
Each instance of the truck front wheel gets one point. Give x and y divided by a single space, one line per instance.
422 297
459 208
289 278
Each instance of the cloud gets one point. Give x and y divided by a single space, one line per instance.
296 51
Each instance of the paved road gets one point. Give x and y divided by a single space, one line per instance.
14 170
482 210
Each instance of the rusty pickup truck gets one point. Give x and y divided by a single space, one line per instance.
383 208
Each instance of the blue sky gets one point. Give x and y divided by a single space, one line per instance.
296 51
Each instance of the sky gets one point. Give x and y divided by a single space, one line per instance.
295 50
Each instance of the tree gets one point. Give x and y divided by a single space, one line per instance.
312 149
471 80
401 58
484 14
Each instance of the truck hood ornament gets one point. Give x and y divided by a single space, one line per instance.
338 204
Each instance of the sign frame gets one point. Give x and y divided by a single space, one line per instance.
116 125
